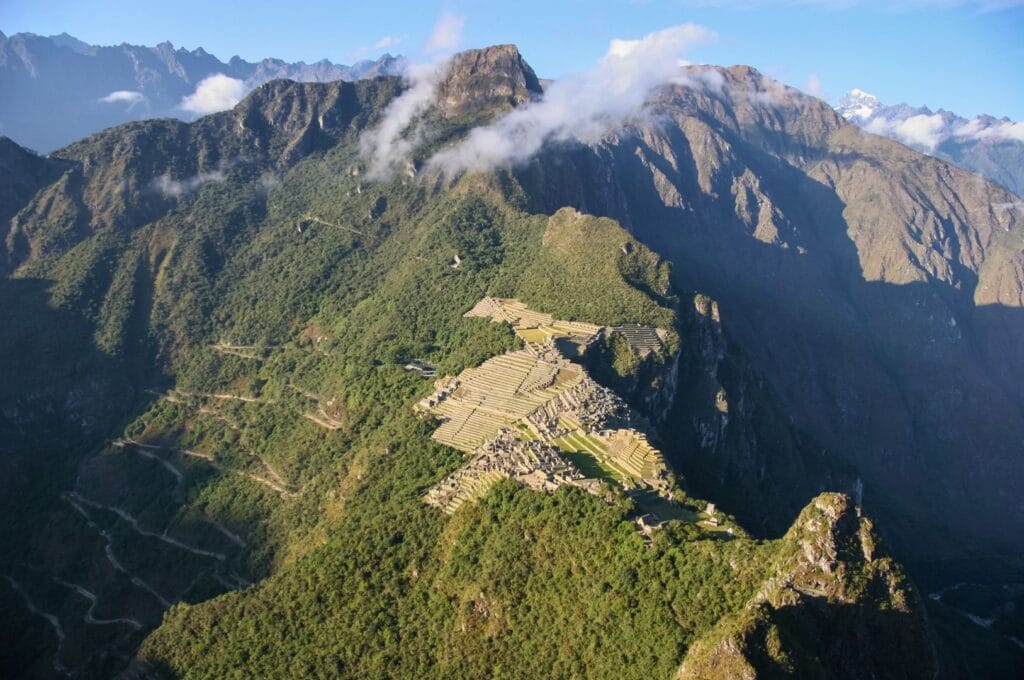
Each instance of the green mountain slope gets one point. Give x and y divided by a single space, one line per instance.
215 469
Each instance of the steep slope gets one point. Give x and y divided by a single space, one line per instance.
120 260
991 147
813 601
875 288
227 308
58 89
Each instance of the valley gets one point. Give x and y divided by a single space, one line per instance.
303 422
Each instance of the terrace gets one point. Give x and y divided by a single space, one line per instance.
535 416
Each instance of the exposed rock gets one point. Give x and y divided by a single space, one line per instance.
482 79
834 607
876 290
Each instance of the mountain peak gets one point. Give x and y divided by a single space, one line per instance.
989 146
858 104
71 42
857 92
495 76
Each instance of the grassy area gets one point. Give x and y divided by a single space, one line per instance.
588 455
524 432
532 335
649 501
590 466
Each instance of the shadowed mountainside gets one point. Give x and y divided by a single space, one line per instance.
878 290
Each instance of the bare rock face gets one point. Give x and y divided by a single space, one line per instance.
486 78
877 290
835 607
732 439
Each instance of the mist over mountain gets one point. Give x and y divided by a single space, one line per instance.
245 355
58 89
991 147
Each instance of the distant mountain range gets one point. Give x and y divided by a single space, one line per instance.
59 89
991 147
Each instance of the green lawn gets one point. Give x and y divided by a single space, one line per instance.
586 453
659 506
590 466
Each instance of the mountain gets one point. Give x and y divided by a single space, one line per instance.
991 147
240 365
58 89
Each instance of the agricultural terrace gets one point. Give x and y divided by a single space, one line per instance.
536 329
537 417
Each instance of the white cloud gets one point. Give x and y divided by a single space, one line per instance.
997 131
446 34
175 188
814 85
386 42
710 79
214 93
583 106
129 97
772 93
922 130
389 143
1016 205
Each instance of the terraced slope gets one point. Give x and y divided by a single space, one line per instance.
515 411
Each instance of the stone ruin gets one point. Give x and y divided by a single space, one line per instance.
534 464
508 412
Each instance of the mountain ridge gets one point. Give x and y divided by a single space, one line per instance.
88 88
992 147
262 306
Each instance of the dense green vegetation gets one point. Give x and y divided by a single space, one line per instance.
239 433
472 598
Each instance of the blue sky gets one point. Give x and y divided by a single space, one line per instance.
963 55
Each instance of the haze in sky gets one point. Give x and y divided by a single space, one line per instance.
961 55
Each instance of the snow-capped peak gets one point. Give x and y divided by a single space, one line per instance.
857 103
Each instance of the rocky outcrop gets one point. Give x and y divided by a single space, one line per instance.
835 606
486 78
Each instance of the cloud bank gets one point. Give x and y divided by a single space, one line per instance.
928 131
923 130
446 34
175 188
129 97
214 93
998 131
583 107
389 143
